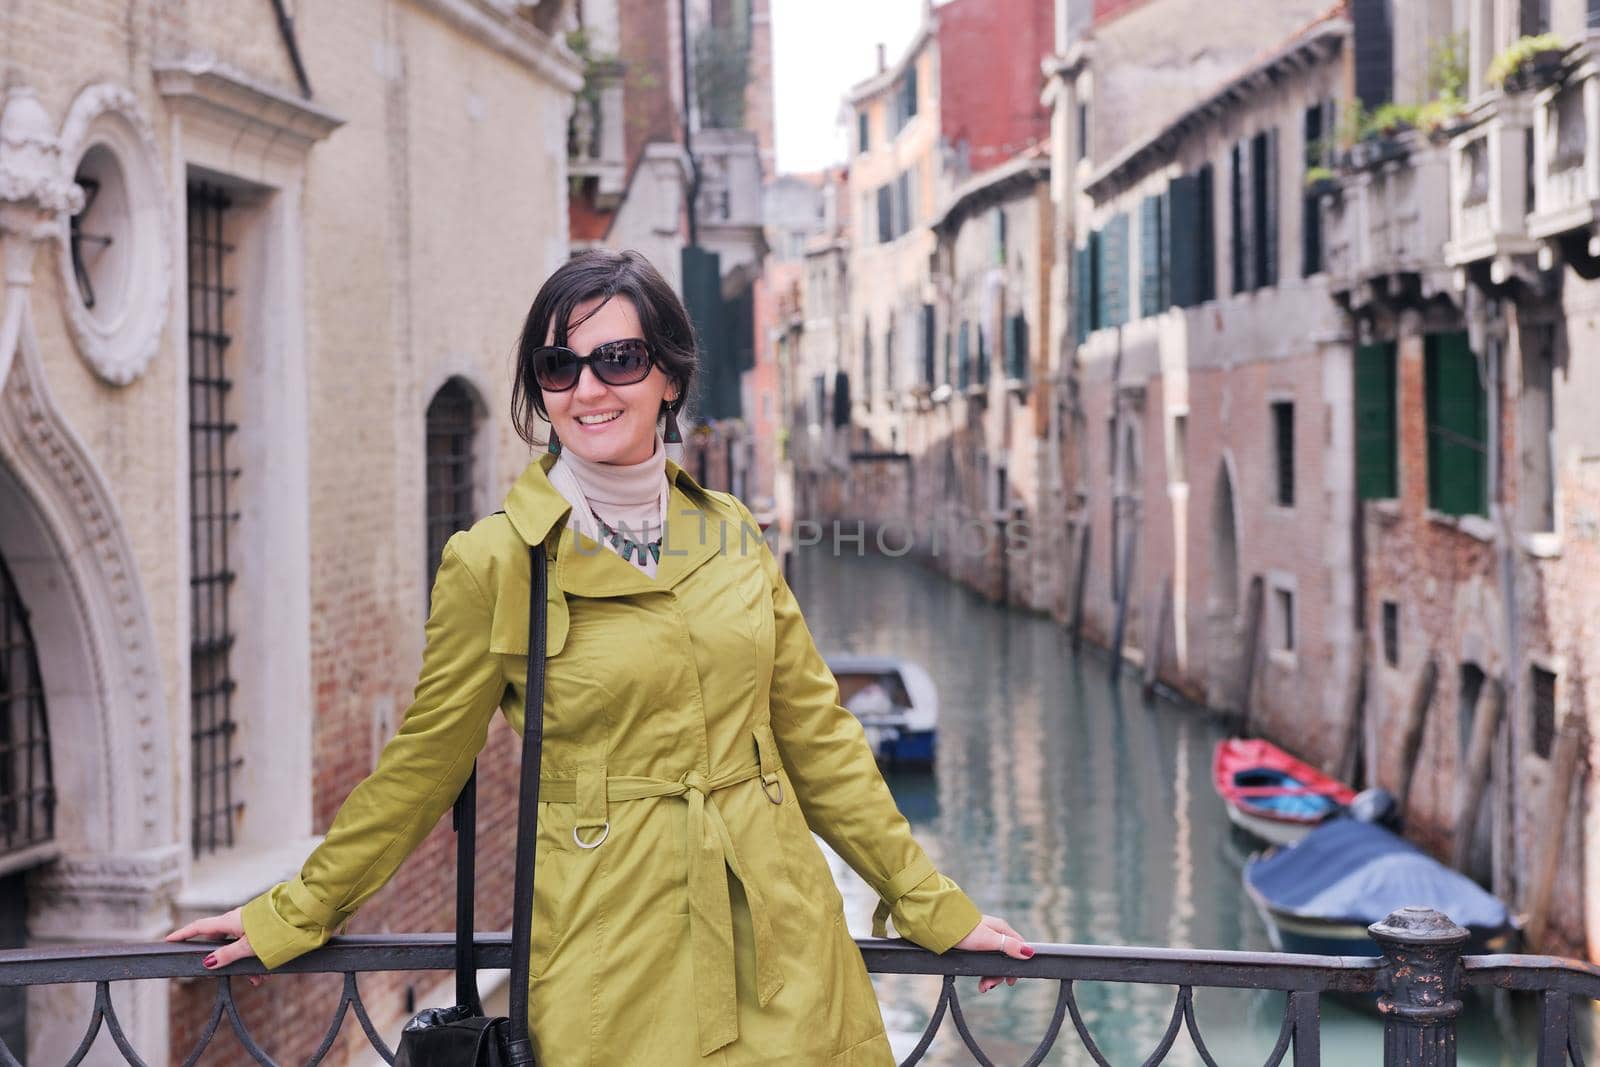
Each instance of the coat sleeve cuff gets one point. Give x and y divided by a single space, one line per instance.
288 921
931 911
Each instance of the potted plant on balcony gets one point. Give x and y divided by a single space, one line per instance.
1440 116
1529 63
1382 132
1320 182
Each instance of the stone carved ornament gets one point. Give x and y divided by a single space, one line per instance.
120 348
39 445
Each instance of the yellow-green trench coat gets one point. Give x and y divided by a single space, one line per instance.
690 713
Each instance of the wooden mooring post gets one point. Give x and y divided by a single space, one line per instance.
1485 725
1547 861
1158 642
1078 587
1411 732
1119 634
1255 611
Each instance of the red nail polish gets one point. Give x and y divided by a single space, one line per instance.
1027 953
210 961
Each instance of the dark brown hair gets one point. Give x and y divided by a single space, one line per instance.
603 273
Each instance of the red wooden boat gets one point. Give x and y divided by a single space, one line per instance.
1271 794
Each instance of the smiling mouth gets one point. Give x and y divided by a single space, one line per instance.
600 419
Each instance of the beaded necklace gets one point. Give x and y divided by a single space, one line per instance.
627 547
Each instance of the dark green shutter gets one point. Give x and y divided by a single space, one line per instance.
1206 265
1264 201
1083 293
929 351
716 333
1458 427
1114 272
1016 342
964 358
1183 241
1149 256
1376 413
983 357
1239 204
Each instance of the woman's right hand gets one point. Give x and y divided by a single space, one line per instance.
230 924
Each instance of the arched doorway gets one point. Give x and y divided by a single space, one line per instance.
27 791
112 746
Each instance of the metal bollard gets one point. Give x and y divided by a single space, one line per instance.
1422 953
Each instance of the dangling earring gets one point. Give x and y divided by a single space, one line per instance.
554 446
672 436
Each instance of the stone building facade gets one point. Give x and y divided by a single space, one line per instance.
253 370
1465 260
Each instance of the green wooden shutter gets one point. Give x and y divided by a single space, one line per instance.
1149 256
1114 272
1376 413
1206 265
1183 241
1017 347
718 380
964 358
1239 202
1082 297
1458 427
1267 209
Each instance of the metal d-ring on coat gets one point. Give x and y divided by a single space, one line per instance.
693 742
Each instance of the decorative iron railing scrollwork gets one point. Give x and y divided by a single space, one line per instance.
1303 979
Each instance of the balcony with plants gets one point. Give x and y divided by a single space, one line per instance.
1492 182
1566 159
596 149
1384 223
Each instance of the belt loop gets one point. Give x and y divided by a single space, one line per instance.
767 758
591 804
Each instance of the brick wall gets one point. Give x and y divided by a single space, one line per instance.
989 76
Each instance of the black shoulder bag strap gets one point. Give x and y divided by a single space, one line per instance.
520 1047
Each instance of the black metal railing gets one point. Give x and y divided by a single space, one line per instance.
1416 983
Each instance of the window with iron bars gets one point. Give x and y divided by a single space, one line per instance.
451 420
213 525
27 793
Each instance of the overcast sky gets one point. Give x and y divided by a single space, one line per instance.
820 49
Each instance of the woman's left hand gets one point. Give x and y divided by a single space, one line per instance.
995 935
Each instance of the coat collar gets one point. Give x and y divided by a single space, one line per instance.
695 532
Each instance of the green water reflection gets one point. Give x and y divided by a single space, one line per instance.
1079 813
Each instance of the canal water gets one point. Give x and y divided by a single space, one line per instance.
1065 804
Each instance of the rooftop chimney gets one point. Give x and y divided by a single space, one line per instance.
883 57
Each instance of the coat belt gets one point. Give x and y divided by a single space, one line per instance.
711 855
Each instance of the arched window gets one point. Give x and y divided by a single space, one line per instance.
452 421
27 795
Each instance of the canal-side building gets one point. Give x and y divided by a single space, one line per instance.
1209 384
894 176
690 199
978 434
819 415
1465 257
935 121
253 373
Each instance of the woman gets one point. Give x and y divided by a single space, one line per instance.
693 737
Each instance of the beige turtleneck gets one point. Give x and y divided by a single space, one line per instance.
632 498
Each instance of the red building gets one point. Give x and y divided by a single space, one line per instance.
990 53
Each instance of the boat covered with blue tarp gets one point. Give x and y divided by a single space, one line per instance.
1320 894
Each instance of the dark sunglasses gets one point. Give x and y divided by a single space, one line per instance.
624 362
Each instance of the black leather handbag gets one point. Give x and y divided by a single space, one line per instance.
460 1035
